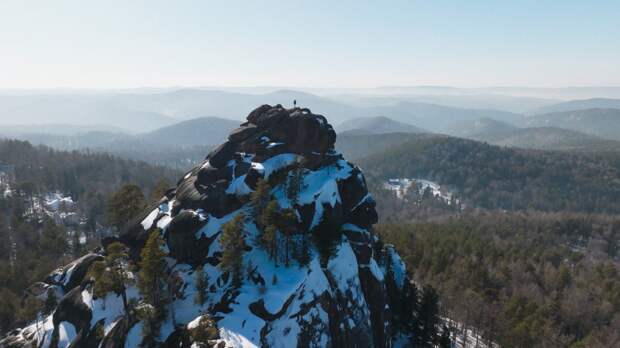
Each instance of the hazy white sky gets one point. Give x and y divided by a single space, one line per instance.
107 44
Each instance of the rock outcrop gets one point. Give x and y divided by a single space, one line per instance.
339 302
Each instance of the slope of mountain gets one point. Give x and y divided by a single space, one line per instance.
551 138
75 173
332 293
438 118
356 146
467 101
202 131
495 177
486 129
543 138
77 141
604 123
376 125
78 109
179 146
580 104
56 129
194 132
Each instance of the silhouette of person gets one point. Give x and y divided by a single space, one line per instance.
294 103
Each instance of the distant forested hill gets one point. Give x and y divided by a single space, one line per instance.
376 125
494 177
77 173
356 146
580 104
553 138
601 122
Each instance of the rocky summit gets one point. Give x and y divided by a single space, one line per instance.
290 290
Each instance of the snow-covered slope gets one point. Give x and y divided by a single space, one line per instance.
343 302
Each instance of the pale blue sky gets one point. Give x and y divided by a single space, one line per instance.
107 44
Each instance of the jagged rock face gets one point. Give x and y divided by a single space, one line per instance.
341 303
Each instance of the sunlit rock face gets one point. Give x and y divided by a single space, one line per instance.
341 302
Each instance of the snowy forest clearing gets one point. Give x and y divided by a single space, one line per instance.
402 186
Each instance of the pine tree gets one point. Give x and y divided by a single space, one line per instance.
201 280
259 199
9 303
403 299
326 236
276 222
53 240
30 309
268 230
233 244
174 285
76 245
270 214
5 246
159 190
116 259
150 316
101 285
205 331
270 242
444 340
428 318
126 203
152 269
304 254
287 224
151 281
51 300
110 274
295 183
409 307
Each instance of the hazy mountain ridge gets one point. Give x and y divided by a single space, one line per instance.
552 138
486 129
604 123
437 118
139 112
508 103
543 138
163 111
579 104
376 125
202 131
357 146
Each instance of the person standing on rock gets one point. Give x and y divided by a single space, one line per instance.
294 103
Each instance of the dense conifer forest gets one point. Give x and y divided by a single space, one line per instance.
521 279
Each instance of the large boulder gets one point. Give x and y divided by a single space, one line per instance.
78 270
73 310
310 133
242 133
181 237
117 335
222 154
